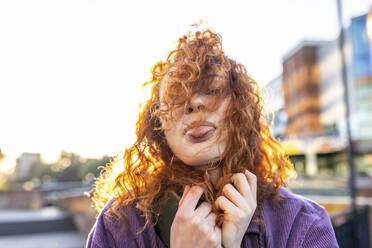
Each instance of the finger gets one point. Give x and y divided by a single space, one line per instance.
252 181
211 219
234 196
185 191
217 232
240 181
191 200
203 210
224 204
216 237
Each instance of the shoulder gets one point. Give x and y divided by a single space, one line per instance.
109 231
294 204
292 220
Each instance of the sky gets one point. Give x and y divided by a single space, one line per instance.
71 70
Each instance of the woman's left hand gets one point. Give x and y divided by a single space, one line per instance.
238 204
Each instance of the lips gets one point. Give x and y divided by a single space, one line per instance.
199 131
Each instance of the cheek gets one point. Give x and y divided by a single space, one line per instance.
168 126
173 141
172 120
171 134
225 106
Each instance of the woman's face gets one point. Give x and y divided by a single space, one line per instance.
192 132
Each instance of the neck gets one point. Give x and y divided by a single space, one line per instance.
214 175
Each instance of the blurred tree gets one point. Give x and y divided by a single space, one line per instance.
68 167
75 168
40 170
91 166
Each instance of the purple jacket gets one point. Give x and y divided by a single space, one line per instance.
295 222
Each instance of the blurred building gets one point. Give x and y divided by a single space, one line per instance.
301 87
362 82
332 102
313 98
274 105
24 164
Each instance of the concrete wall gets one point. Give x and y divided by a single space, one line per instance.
81 209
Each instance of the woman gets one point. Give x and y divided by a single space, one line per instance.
204 170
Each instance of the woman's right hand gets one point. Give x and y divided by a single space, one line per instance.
194 227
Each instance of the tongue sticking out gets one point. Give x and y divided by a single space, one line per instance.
199 131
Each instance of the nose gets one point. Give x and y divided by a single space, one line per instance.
196 103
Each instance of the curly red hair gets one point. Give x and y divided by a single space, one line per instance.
149 170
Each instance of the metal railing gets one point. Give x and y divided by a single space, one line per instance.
352 231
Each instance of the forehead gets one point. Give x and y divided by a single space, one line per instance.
209 79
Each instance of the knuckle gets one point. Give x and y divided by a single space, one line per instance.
195 220
250 173
226 188
204 229
254 177
223 198
193 190
181 217
247 211
240 176
241 214
196 190
219 199
211 220
205 205
213 216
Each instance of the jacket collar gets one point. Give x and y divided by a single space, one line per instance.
169 211
254 226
